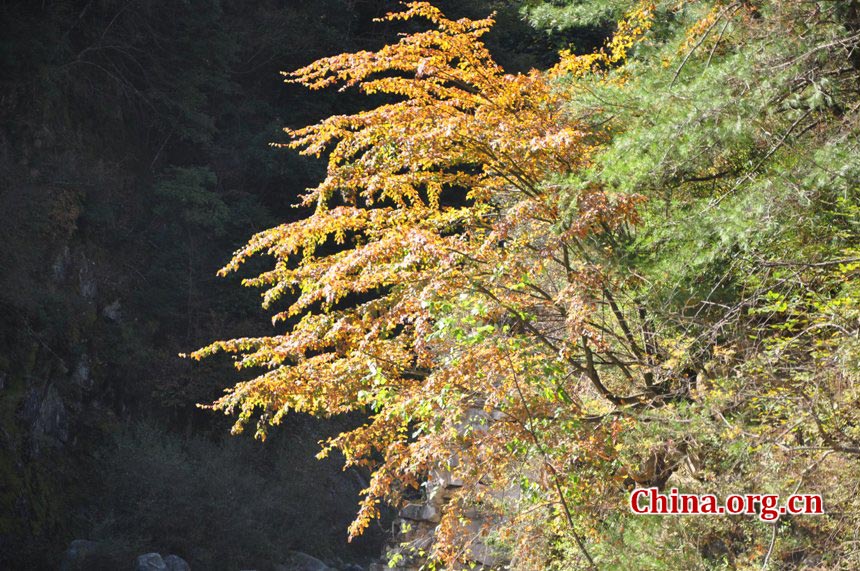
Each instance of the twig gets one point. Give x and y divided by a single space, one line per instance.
770 548
580 543
699 43
811 264
769 154
719 39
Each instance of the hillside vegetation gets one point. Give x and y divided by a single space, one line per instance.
635 268
134 156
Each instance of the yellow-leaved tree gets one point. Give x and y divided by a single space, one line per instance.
446 287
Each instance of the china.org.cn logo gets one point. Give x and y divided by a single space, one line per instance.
768 507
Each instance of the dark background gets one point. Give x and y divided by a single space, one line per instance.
134 159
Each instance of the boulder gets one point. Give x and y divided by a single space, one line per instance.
421 512
113 312
151 562
176 563
299 561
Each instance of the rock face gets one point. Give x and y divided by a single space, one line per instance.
47 413
417 520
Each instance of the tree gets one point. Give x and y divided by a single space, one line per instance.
442 273
554 283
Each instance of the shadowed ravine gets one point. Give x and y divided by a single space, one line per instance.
135 157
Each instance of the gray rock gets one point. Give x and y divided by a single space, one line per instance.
176 563
50 422
60 267
77 553
483 554
151 562
83 373
299 561
87 279
113 312
421 512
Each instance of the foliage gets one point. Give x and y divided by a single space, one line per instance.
562 15
637 267
134 153
444 206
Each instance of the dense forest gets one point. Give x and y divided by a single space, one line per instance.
521 257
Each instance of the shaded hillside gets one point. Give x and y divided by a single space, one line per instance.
134 157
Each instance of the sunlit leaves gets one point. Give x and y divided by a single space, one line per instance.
439 287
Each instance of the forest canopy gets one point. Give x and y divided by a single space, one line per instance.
635 268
